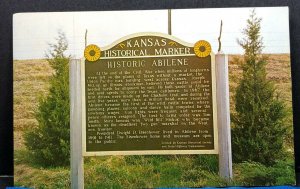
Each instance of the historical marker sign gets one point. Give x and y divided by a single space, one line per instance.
149 93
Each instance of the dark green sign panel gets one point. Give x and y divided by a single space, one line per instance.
149 94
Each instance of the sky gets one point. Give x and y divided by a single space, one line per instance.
32 32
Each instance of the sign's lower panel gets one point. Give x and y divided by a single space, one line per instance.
154 105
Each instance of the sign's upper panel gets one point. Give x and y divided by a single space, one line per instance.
147 44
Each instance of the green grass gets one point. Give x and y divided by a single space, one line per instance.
153 171
30 175
256 174
123 172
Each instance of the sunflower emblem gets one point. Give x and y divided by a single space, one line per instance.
202 48
92 53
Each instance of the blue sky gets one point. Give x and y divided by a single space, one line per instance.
32 32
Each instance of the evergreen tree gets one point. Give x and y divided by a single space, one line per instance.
259 129
49 143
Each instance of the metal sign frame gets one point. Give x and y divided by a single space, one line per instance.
150 152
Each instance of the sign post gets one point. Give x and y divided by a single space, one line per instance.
77 164
225 157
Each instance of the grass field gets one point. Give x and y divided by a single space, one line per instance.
31 80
